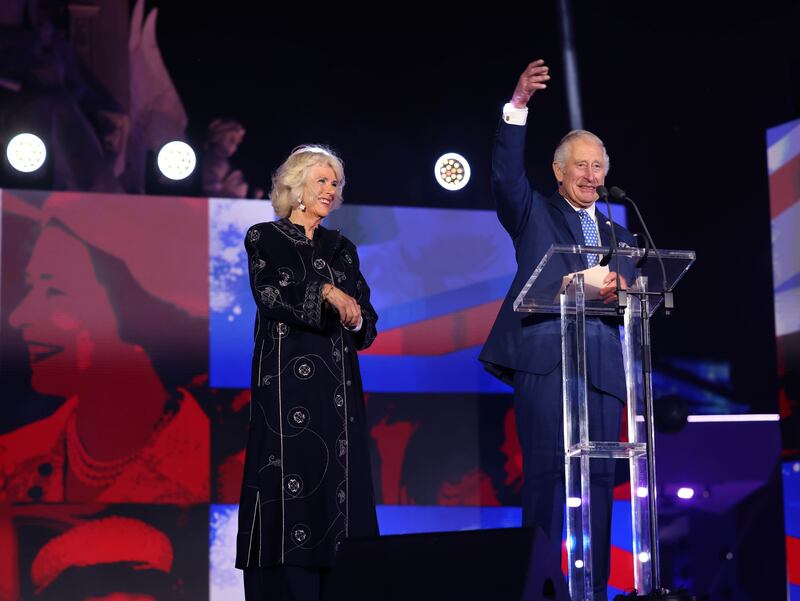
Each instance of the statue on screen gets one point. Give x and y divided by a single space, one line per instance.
100 104
157 113
47 88
220 179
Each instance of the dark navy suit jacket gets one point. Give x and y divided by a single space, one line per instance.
532 342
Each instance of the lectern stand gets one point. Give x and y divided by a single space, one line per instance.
557 286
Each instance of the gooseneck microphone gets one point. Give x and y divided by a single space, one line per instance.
622 300
601 190
619 194
646 245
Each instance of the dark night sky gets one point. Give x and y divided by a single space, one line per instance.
681 96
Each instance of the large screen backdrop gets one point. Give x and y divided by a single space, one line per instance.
783 163
125 339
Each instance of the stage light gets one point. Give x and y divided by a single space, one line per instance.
579 563
644 557
573 502
26 152
176 160
451 171
684 492
641 492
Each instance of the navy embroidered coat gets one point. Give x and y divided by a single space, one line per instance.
307 481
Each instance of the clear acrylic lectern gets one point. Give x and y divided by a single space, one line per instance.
559 285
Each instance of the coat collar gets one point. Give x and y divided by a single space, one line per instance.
325 241
573 222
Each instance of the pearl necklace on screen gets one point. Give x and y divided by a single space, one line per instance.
88 470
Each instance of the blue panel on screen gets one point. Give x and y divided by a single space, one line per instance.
701 399
413 255
791 497
618 214
456 299
409 519
231 309
791 512
774 134
225 581
621 528
454 372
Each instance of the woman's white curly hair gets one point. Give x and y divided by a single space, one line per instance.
290 178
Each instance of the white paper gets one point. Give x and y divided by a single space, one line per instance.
592 281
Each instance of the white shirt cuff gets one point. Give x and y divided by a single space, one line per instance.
514 116
358 327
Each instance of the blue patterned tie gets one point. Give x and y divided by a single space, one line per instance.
590 237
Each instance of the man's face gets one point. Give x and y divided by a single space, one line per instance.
583 171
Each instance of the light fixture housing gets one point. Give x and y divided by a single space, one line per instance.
451 171
176 160
26 152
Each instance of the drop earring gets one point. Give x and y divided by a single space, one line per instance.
300 204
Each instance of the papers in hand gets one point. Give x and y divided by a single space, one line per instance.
592 282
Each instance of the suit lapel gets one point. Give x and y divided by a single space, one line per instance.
568 216
569 220
602 226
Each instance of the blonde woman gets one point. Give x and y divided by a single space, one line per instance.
307 481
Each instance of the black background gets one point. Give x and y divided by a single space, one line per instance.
681 94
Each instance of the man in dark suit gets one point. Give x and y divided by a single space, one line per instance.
525 349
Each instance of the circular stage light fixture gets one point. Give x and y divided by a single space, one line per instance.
176 160
26 152
451 171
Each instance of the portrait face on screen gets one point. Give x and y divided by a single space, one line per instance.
66 318
102 314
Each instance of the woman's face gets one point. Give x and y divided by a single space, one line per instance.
319 191
66 319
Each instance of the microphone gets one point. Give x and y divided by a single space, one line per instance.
621 298
646 245
619 194
603 192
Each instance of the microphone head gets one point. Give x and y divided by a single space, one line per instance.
618 193
601 190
